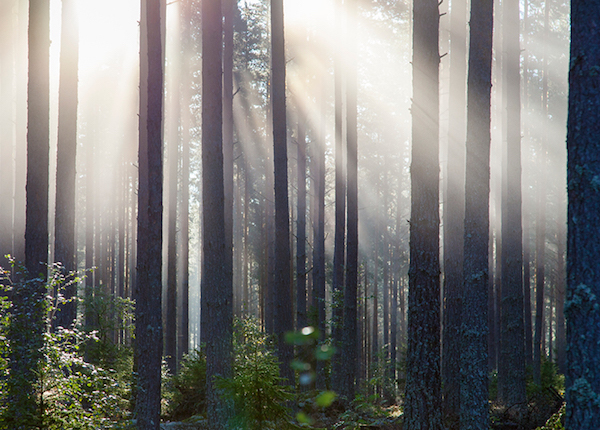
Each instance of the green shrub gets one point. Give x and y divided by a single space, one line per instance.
187 389
255 390
70 391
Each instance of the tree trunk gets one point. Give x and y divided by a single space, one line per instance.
454 208
282 314
561 341
583 267
148 328
227 7
185 82
27 310
474 403
511 372
540 260
217 276
171 182
301 317
527 289
318 177
90 320
541 217
7 131
350 336
423 407
526 217
337 286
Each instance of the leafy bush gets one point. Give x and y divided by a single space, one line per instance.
70 391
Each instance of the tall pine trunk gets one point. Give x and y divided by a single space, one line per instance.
301 317
227 7
583 267
454 209
185 82
474 396
282 287
171 212
7 128
26 330
64 248
350 335
318 177
148 288
339 253
511 368
217 288
423 404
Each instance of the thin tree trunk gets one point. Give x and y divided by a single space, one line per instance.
301 317
350 337
319 247
90 320
561 341
540 270
526 218
7 129
172 167
337 286
185 82
527 290
541 219
394 337
19 211
227 7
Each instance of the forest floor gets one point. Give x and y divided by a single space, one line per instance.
541 415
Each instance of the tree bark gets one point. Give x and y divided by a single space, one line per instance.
350 336
511 372
148 328
561 278
583 267
423 404
301 317
64 245
318 176
454 209
282 314
171 182
339 253
7 131
185 82
27 310
217 276
474 404
227 7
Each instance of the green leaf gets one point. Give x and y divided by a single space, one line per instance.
325 399
324 352
300 366
303 418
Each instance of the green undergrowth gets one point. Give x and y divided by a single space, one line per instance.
82 379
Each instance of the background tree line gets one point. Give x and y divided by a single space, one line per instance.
348 230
